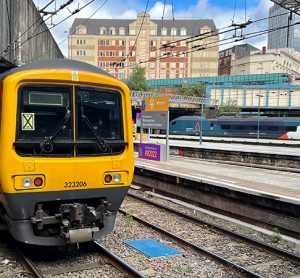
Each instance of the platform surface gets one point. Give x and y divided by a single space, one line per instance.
284 186
234 146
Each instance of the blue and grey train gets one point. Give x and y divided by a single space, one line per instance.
269 127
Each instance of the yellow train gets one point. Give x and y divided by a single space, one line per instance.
66 152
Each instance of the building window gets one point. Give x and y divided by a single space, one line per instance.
101 53
111 53
80 30
112 42
153 32
121 75
102 42
173 32
162 76
122 42
132 32
81 53
102 64
172 65
182 32
131 65
121 65
112 64
152 43
132 53
131 42
121 53
164 31
181 65
152 76
162 65
112 31
172 75
152 65
122 31
102 31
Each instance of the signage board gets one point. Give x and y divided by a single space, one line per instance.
155 120
149 151
155 104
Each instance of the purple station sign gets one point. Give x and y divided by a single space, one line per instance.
149 151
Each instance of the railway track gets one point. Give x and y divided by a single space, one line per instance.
246 255
105 257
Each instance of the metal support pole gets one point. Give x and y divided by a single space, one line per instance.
167 137
258 116
201 122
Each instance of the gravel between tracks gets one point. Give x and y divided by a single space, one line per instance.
266 264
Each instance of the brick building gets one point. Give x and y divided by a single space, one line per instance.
112 44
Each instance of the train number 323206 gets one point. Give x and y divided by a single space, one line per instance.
69 184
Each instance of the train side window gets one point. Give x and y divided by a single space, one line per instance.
225 127
273 128
291 128
253 127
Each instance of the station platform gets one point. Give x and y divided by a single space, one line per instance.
272 184
236 146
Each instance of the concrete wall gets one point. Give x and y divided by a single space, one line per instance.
16 16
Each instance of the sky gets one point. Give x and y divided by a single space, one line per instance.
223 12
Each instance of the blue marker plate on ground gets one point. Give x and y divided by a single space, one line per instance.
152 248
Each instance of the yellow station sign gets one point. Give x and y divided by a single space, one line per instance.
155 104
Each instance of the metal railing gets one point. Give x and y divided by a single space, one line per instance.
138 96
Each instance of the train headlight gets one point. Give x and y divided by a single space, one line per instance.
117 178
27 182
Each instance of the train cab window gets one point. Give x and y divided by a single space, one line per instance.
44 123
99 122
173 123
291 128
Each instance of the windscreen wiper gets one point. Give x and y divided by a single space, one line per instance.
47 144
101 143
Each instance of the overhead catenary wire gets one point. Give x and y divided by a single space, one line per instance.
46 30
138 34
204 47
46 52
40 20
206 35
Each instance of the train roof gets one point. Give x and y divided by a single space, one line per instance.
57 64
252 118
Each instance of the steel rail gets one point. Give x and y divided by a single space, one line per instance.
195 247
28 264
275 250
119 263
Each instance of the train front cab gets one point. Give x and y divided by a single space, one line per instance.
66 155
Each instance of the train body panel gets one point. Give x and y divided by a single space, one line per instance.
66 152
273 128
